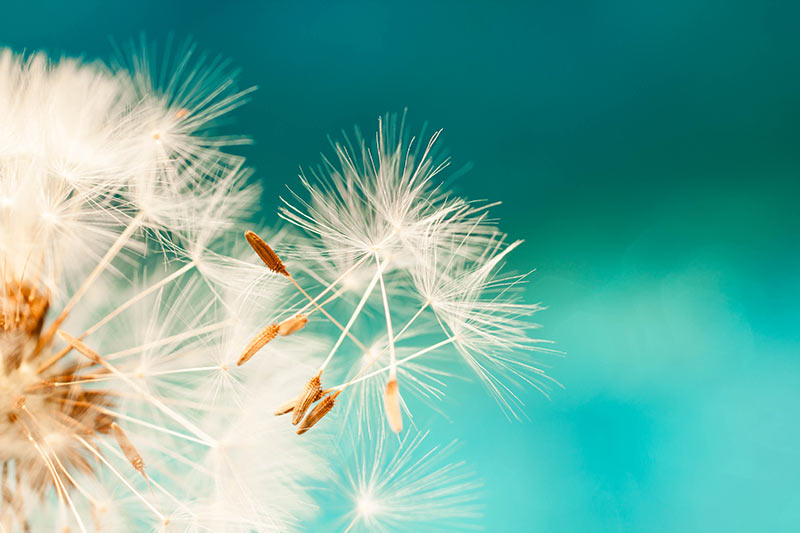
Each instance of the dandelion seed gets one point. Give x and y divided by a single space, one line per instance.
317 413
267 254
309 395
258 342
133 456
391 402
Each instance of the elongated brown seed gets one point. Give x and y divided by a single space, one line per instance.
320 410
391 402
131 454
267 254
306 398
258 342
290 325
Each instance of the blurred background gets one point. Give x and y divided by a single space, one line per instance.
648 154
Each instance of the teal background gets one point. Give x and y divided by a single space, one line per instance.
648 154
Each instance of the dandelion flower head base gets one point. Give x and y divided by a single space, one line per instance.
37 417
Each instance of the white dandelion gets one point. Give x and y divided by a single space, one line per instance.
130 305
120 405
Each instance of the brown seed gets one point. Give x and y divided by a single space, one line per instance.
290 325
131 454
258 342
316 414
181 113
267 254
306 398
391 402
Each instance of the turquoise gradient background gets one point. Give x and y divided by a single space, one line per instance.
646 151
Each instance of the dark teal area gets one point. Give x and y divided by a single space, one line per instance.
646 151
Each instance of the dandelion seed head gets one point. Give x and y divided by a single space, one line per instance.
120 306
128 310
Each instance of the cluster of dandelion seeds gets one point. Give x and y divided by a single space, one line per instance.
155 365
392 253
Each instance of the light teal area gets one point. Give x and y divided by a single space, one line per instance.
646 151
